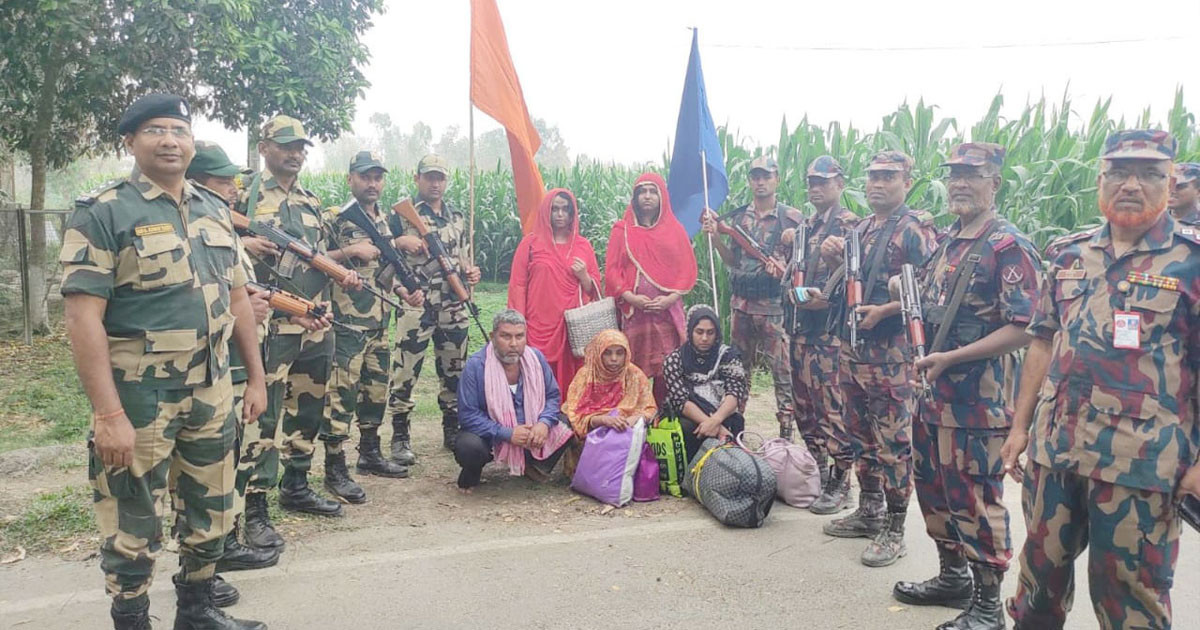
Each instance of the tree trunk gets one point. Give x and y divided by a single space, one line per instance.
252 137
38 287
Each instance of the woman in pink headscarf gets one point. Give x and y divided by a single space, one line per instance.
554 269
648 269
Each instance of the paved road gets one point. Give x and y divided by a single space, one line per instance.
682 571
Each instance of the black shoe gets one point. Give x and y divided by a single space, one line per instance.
238 557
371 460
986 611
131 614
338 481
196 611
296 496
224 594
951 587
259 532
402 452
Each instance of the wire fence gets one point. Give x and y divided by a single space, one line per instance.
17 294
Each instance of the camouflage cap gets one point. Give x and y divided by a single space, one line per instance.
433 164
1186 172
1139 144
890 161
153 106
211 160
763 163
825 166
284 129
364 161
976 154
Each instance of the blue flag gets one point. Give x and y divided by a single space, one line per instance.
694 133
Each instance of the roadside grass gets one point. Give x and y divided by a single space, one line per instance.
41 401
51 521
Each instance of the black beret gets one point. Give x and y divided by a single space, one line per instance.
154 106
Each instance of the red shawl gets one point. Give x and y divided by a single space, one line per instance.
542 286
662 252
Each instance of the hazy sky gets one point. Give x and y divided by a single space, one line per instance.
610 74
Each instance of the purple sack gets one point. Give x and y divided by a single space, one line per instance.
608 463
645 480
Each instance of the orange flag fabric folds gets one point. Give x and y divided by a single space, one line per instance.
496 91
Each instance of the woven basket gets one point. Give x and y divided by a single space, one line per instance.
585 322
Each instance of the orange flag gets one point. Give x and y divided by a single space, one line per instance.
496 91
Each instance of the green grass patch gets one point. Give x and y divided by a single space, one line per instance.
41 401
50 521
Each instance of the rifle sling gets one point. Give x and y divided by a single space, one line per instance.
958 282
881 245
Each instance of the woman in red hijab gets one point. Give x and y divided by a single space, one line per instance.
648 269
554 269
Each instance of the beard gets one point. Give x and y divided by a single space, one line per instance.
1125 219
510 358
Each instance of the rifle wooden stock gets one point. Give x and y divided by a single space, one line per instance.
437 250
748 245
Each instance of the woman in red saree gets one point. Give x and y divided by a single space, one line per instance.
648 269
554 269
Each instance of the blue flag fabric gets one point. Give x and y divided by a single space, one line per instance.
694 133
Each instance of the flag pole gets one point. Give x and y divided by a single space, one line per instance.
471 183
712 264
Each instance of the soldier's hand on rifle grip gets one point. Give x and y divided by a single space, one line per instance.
113 438
833 247
352 281
364 251
934 364
816 300
1190 484
474 275
414 298
410 244
1011 453
775 269
788 236
312 324
708 222
260 246
259 303
870 315
254 402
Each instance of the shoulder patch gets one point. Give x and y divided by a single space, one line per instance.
1063 241
1001 241
92 196
922 216
1189 233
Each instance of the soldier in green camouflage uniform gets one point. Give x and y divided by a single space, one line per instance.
154 291
212 169
359 385
442 318
756 319
1110 388
298 355
1185 194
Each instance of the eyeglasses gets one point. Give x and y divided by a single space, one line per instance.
155 131
1122 175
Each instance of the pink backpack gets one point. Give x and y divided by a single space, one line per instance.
798 479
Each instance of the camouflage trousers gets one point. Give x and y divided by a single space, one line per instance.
239 483
414 329
959 478
818 400
184 442
1132 538
358 386
751 334
297 372
879 410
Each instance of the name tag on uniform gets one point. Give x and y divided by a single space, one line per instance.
154 228
1127 328
1071 274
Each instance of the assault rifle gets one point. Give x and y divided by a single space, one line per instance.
854 285
295 305
1189 509
799 262
743 240
288 243
914 319
437 251
394 265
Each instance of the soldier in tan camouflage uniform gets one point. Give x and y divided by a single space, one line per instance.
154 291
299 353
212 169
359 385
442 318
1109 386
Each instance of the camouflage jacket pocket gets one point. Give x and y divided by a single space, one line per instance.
161 260
171 354
1157 311
219 254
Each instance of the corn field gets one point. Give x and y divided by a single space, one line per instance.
1049 174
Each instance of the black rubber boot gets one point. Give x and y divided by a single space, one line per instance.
865 522
835 494
449 431
296 496
338 481
131 614
259 532
224 594
196 611
888 545
951 587
986 612
371 460
402 452
238 557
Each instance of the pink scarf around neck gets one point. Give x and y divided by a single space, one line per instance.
500 407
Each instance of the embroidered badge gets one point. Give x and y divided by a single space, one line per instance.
1153 280
1070 274
154 228
1011 274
